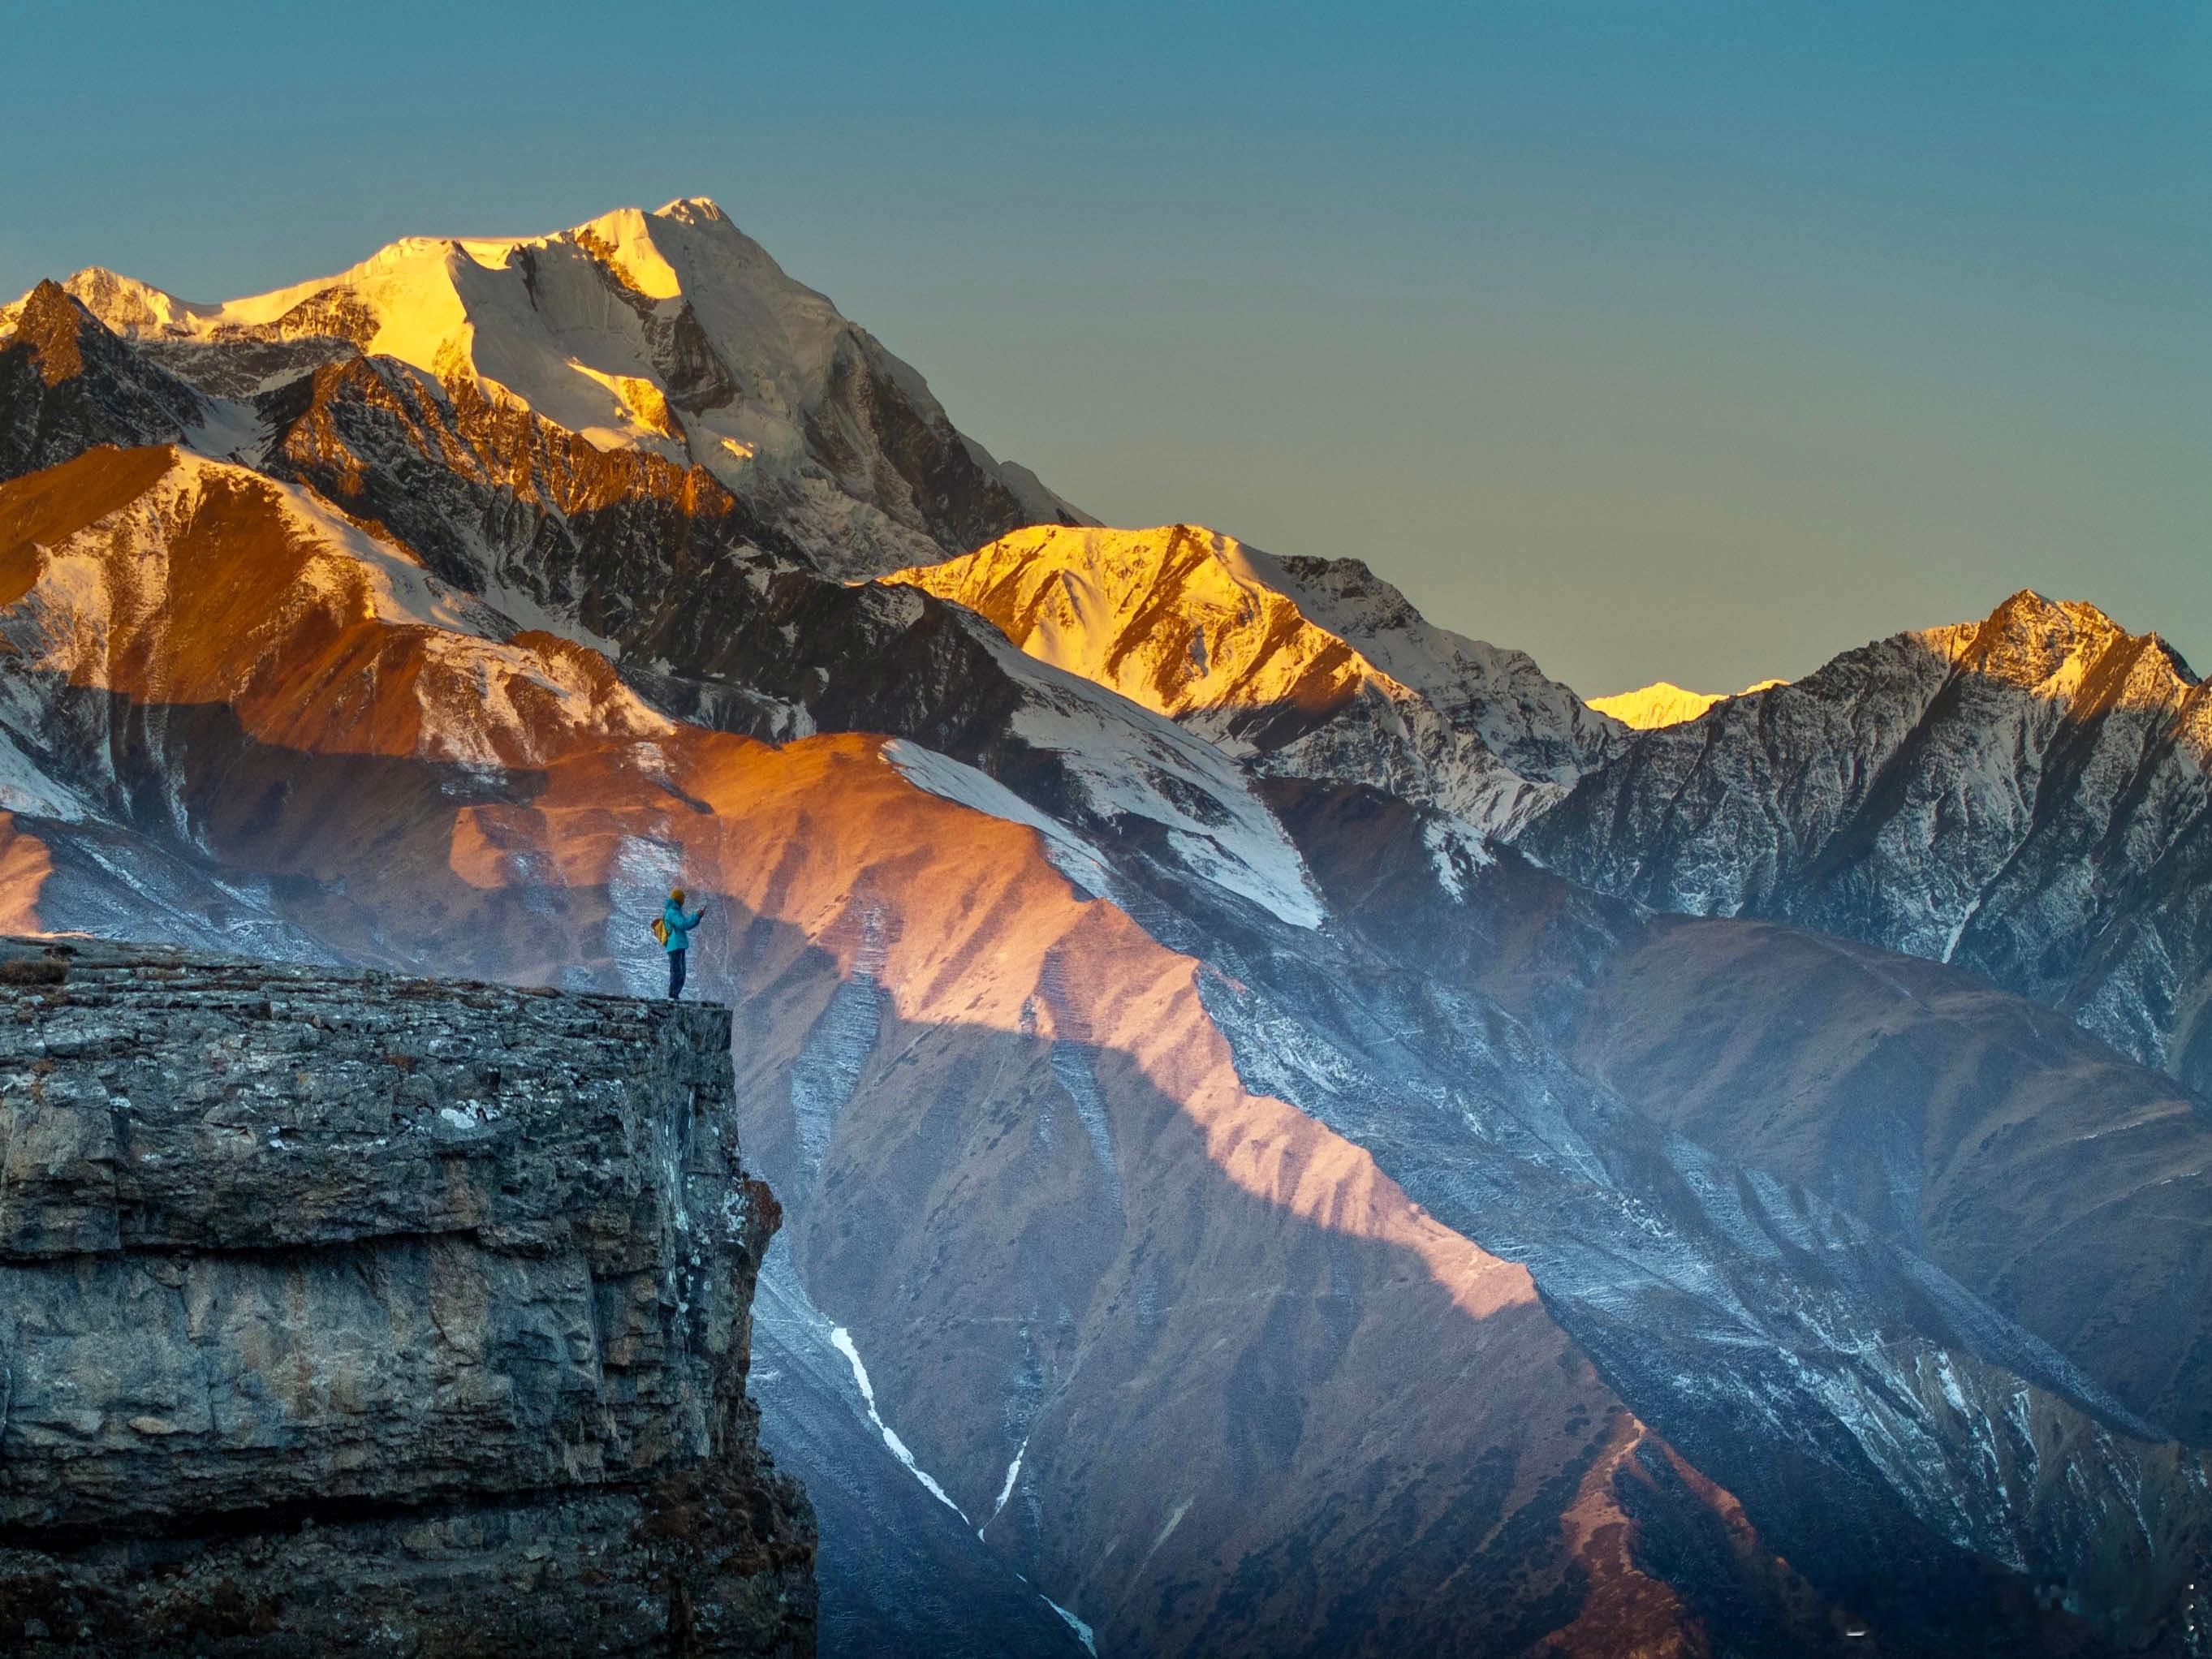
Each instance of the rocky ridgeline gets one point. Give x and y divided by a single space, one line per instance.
344 1312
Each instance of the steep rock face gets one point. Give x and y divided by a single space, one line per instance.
1231 642
2026 796
496 499
671 333
66 384
1536 725
462 1275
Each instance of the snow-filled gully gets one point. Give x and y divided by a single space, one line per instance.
842 1340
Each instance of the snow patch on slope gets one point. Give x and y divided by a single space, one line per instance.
1237 847
1455 851
842 1340
953 781
1006 1489
1084 1633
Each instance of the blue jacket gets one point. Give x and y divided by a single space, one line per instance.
679 925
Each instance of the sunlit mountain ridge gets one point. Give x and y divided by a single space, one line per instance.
1664 703
671 332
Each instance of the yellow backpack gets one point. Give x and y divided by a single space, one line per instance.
660 931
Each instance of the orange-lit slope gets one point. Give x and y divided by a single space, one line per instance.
1252 1390
1039 1162
1177 618
172 580
25 865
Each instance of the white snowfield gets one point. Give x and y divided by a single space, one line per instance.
670 331
842 1340
1130 763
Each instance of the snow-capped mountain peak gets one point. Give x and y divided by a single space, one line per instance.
1304 667
670 331
1179 618
122 301
1663 702
2051 646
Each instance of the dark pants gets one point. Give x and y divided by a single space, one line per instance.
676 973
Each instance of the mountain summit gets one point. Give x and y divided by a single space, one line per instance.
1303 668
671 332
1663 702
2025 795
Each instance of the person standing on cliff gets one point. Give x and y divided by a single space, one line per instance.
675 930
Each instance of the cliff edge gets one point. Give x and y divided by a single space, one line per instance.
342 1312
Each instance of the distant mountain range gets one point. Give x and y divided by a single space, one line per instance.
1298 1134
2025 796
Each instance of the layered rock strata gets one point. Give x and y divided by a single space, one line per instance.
342 1313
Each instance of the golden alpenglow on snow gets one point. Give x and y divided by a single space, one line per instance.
1662 703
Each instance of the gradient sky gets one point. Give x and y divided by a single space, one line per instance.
1693 341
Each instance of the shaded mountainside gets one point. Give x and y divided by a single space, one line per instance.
2067 1186
2026 796
67 384
461 1275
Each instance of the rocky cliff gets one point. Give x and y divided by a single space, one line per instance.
349 1313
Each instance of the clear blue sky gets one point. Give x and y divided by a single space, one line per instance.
1691 340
